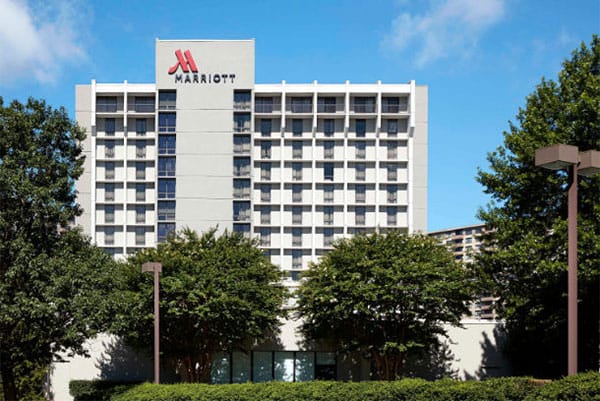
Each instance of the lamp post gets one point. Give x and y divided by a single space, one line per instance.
558 157
156 268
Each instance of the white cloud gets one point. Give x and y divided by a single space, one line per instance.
448 28
38 40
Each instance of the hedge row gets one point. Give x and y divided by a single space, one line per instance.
584 387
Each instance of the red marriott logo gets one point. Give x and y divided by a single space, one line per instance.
186 61
189 71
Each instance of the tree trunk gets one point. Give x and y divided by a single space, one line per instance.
8 379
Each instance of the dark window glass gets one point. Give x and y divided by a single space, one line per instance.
140 126
166 166
241 97
329 126
166 210
109 126
166 144
328 171
106 104
263 105
166 122
241 122
166 188
144 104
392 127
266 126
297 126
167 100
164 229
361 127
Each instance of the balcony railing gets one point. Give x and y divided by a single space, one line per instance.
241 128
363 108
144 107
106 108
329 108
267 107
241 193
242 216
300 108
242 105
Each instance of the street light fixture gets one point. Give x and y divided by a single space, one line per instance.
558 157
156 268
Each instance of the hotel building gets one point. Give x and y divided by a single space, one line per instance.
297 165
465 242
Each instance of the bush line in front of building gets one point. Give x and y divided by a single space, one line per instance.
583 387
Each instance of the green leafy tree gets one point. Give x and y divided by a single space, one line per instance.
384 295
53 283
526 258
217 293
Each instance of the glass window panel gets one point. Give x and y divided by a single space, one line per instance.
241 122
166 122
164 229
305 366
140 126
284 366
166 166
361 127
297 126
241 367
166 210
329 126
262 366
219 369
166 144
166 188
266 126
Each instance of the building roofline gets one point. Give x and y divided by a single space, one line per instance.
456 228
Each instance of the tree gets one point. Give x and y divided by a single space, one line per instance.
384 295
53 283
526 258
217 294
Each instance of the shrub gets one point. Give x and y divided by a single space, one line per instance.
582 387
97 390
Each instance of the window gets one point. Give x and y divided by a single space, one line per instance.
360 149
359 216
106 104
360 193
144 104
265 171
241 144
167 100
296 237
140 214
392 127
241 166
265 193
296 215
360 172
391 216
140 170
109 236
109 126
166 188
301 104
297 149
263 104
392 150
297 126
241 211
140 192
109 192
241 99
328 215
109 170
241 122
328 237
265 149
327 105
265 215
328 193
164 229
328 126
364 104
243 229
390 105
361 127
403 125
166 144
166 122
140 236
241 188
266 126
392 172
328 171
403 103
297 171
109 214
140 126
109 149
166 167
328 149
296 259
296 193
265 237
392 193
262 366
140 149
166 210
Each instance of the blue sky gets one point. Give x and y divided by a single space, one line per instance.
480 58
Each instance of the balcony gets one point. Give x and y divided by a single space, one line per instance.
329 107
242 216
242 128
267 107
362 108
300 108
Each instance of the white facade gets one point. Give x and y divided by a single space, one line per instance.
297 165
